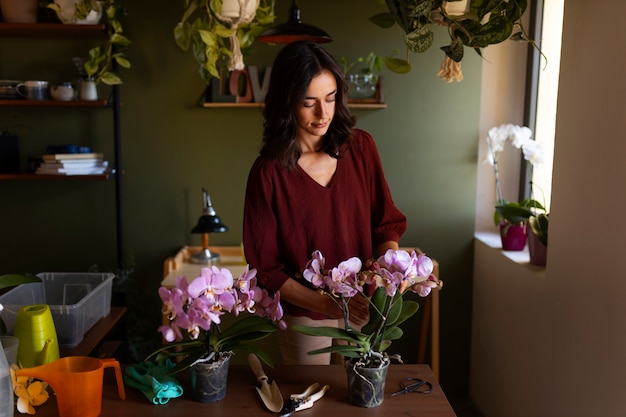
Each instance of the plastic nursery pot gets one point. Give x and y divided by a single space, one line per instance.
513 236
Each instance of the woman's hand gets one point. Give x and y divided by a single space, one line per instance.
359 309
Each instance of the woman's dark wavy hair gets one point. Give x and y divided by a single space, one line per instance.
293 69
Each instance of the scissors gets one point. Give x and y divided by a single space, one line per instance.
414 385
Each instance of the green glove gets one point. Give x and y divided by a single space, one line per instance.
152 380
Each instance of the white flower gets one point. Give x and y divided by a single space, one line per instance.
521 138
533 152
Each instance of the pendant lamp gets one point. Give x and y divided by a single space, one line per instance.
294 30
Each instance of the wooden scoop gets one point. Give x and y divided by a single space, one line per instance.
269 393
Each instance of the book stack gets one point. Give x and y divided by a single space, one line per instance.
73 164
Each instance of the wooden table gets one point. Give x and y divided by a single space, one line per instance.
242 399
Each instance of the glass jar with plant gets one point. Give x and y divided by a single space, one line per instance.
384 282
362 75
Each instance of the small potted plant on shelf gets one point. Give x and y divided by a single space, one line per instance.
363 76
102 62
388 279
472 23
221 32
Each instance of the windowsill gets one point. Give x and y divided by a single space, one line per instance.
493 240
522 257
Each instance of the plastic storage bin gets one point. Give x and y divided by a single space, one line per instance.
77 301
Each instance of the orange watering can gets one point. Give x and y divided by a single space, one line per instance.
77 383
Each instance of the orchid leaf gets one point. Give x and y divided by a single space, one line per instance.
334 332
383 20
11 280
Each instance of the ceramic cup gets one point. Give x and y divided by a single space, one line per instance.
33 90
10 345
64 91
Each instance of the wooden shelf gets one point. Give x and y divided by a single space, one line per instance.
51 29
94 336
53 103
259 105
31 176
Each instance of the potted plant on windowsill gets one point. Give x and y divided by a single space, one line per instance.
220 32
472 23
384 282
512 217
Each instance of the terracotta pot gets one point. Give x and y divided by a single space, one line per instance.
366 386
513 236
19 11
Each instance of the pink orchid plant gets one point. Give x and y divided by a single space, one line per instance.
194 311
387 279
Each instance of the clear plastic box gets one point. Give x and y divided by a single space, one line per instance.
77 301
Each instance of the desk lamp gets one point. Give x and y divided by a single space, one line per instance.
209 222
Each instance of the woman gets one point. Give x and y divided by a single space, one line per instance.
318 184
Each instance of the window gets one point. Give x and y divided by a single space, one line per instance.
542 97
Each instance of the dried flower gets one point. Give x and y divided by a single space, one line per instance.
30 392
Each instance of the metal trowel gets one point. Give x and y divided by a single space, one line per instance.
269 393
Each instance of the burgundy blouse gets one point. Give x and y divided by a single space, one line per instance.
288 215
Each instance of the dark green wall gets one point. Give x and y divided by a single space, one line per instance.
172 147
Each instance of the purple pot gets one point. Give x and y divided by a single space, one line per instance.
514 236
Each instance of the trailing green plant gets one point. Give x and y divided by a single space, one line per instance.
102 62
217 41
486 23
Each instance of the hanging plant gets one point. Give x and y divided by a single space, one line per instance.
477 25
102 62
219 38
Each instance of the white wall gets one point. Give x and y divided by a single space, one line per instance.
552 343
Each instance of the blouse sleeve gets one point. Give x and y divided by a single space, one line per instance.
260 228
388 223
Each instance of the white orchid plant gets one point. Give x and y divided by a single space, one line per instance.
527 209
194 311
387 279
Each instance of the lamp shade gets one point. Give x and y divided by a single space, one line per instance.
294 30
209 222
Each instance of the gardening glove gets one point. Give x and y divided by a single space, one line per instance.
152 380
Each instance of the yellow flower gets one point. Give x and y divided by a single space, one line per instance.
30 393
